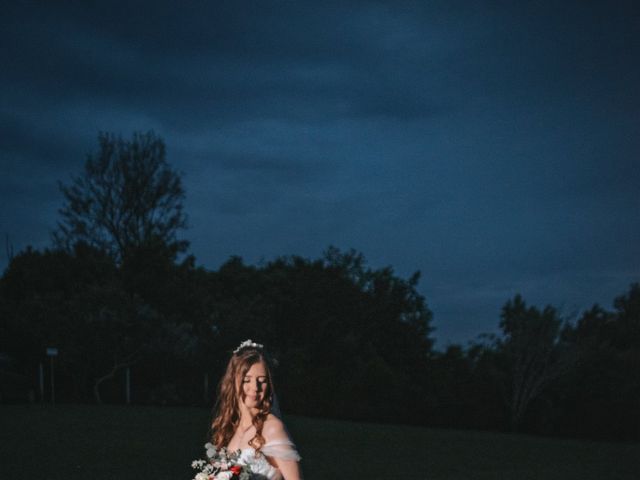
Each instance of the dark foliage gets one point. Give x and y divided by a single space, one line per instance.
351 341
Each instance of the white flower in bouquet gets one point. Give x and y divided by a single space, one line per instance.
221 465
211 450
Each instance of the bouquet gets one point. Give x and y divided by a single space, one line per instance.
221 465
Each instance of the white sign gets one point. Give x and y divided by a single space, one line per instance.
52 352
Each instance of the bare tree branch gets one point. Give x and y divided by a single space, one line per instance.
127 196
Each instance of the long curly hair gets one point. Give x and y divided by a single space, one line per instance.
226 417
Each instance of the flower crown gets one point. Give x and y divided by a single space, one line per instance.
246 344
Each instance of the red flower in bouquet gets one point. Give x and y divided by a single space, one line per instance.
221 465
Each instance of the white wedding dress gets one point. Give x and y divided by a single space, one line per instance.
260 466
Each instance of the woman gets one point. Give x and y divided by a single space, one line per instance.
245 417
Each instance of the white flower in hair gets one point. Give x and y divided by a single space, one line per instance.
248 343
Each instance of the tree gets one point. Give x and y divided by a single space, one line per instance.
49 297
628 319
533 349
127 197
335 314
600 399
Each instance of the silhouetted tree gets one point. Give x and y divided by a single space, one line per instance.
534 353
76 301
628 319
51 297
333 315
127 196
600 397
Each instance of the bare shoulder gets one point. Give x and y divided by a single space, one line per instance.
274 429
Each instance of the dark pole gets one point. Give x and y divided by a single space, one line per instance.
53 386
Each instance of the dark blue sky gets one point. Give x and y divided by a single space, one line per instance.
491 145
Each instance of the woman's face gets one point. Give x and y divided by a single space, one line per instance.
254 385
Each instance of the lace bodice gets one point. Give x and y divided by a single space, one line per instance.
260 466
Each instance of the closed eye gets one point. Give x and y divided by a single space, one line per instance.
262 380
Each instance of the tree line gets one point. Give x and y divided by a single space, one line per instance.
117 291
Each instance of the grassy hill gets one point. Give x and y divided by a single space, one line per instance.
115 442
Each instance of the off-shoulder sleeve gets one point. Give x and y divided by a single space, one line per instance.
282 449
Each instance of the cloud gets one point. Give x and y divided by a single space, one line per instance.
491 146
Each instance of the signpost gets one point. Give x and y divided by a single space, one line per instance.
51 353
41 381
127 385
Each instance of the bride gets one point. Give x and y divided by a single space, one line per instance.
246 417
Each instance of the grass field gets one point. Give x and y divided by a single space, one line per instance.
69 442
